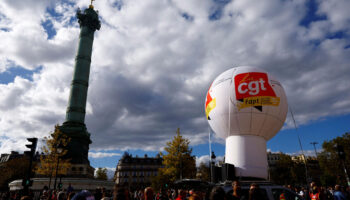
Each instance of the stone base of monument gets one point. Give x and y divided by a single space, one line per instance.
77 183
80 171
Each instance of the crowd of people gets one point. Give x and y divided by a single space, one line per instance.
316 192
313 192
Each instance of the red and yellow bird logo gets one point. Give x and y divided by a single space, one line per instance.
210 104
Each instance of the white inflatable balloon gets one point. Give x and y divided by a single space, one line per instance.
247 107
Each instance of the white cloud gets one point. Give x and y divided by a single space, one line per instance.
151 67
306 152
102 154
205 159
110 172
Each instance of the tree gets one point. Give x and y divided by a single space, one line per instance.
101 173
178 161
204 172
52 155
281 174
330 163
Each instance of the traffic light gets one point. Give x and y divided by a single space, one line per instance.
59 185
31 146
27 183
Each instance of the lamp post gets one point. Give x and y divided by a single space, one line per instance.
314 144
59 150
212 164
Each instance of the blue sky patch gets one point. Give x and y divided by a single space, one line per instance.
118 4
58 16
5 29
10 75
187 17
50 30
216 10
311 14
336 35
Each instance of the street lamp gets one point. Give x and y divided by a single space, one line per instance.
59 150
212 164
314 143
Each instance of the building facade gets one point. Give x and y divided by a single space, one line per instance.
6 157
137 172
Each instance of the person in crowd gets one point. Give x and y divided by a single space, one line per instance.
44 196
217 193
61 196
254 192
140 194
237 191
314 193
98 194
338 195
149 193
346 191
69 188
330 189
83 195
162 195
70 195
182 195
120 193
26 198
194 197
169 194
326 194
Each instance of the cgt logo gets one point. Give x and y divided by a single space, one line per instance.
253 89
252 84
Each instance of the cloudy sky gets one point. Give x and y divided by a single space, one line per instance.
154 60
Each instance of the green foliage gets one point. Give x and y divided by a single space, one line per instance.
331 164
178 162
161 181
101 173
281 174
204 172
327 169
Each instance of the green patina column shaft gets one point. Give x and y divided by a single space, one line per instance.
77 100
74 125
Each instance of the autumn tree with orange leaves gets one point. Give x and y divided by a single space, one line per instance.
51 153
